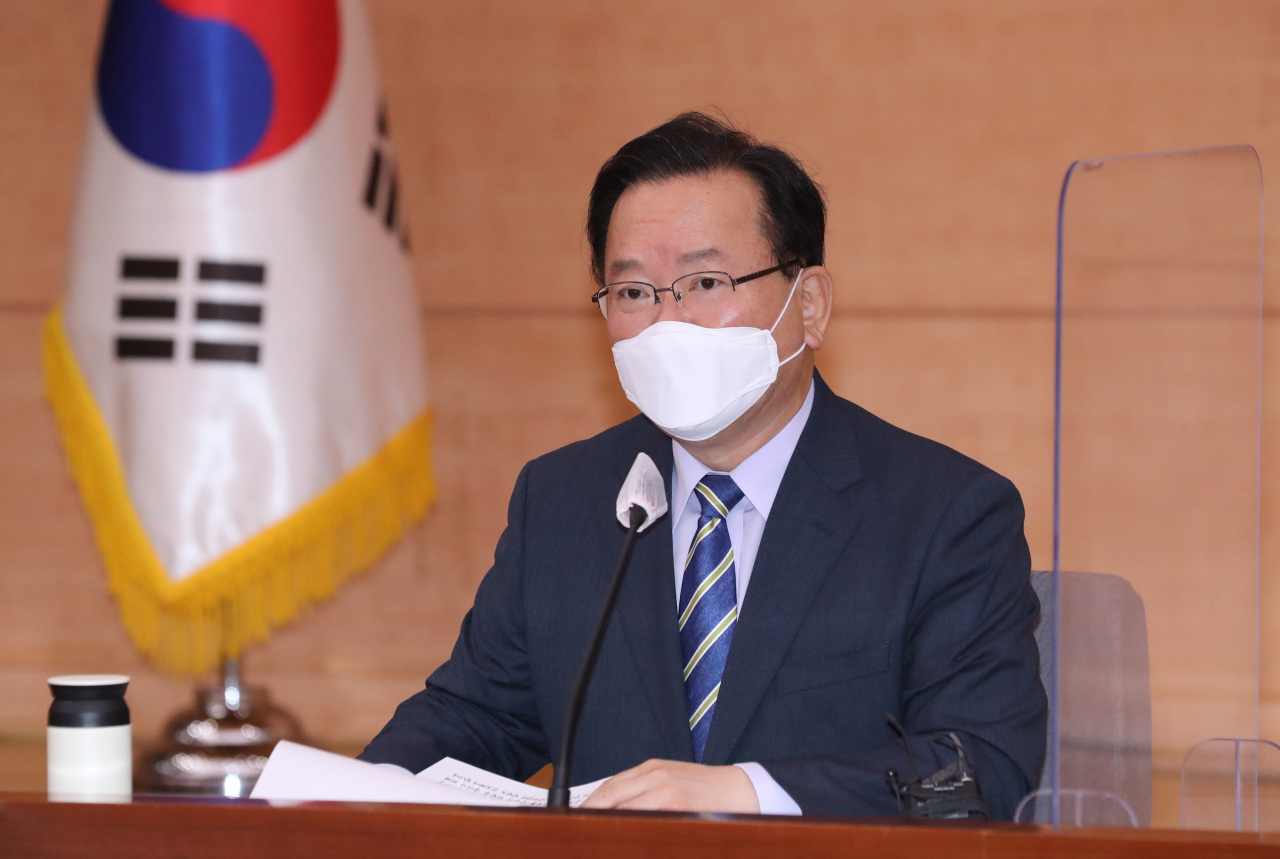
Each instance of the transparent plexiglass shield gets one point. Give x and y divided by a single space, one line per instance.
1152 605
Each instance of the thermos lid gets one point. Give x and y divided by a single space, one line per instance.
88 701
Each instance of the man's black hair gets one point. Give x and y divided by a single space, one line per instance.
794 215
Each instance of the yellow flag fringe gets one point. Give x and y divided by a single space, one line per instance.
189 627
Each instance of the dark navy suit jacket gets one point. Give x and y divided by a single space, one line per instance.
892 577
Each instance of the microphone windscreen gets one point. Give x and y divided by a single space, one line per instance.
644 487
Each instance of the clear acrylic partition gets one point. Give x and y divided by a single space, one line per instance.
1154 593
1231 784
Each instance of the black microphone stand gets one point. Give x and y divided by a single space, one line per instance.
558 795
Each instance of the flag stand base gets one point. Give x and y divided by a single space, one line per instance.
220 746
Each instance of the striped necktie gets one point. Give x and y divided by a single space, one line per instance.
708 604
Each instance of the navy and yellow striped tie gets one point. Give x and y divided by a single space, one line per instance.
708 604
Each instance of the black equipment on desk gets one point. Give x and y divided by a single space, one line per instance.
952 792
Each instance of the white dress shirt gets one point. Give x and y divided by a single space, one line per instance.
758 476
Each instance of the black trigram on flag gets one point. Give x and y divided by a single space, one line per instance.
151 291
382 185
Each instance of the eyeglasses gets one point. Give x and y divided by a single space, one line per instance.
699 291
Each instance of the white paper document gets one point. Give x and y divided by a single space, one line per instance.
300 773
503 791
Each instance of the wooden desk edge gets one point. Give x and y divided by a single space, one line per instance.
31 825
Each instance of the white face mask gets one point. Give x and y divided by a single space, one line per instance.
693 381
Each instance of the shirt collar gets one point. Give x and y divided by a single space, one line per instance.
758 476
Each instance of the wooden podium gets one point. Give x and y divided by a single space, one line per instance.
32 826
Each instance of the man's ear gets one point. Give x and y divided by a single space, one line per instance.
815 292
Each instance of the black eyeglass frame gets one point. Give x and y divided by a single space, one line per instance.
657 291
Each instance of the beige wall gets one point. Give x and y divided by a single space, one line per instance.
941 131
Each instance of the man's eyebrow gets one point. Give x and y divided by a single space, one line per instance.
619 267
701 255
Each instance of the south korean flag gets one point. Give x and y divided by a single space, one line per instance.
237 367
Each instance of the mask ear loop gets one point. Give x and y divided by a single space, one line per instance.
794 284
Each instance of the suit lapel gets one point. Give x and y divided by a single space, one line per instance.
817 510
647 611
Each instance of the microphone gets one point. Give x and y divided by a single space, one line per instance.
642 501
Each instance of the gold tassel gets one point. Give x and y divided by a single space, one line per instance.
189 627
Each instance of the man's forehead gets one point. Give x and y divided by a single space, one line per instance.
685 220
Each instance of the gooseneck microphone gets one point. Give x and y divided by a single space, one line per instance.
642 501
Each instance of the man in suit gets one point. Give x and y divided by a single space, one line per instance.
820 570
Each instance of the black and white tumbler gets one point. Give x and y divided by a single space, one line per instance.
90 753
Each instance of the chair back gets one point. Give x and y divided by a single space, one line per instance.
1104 689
